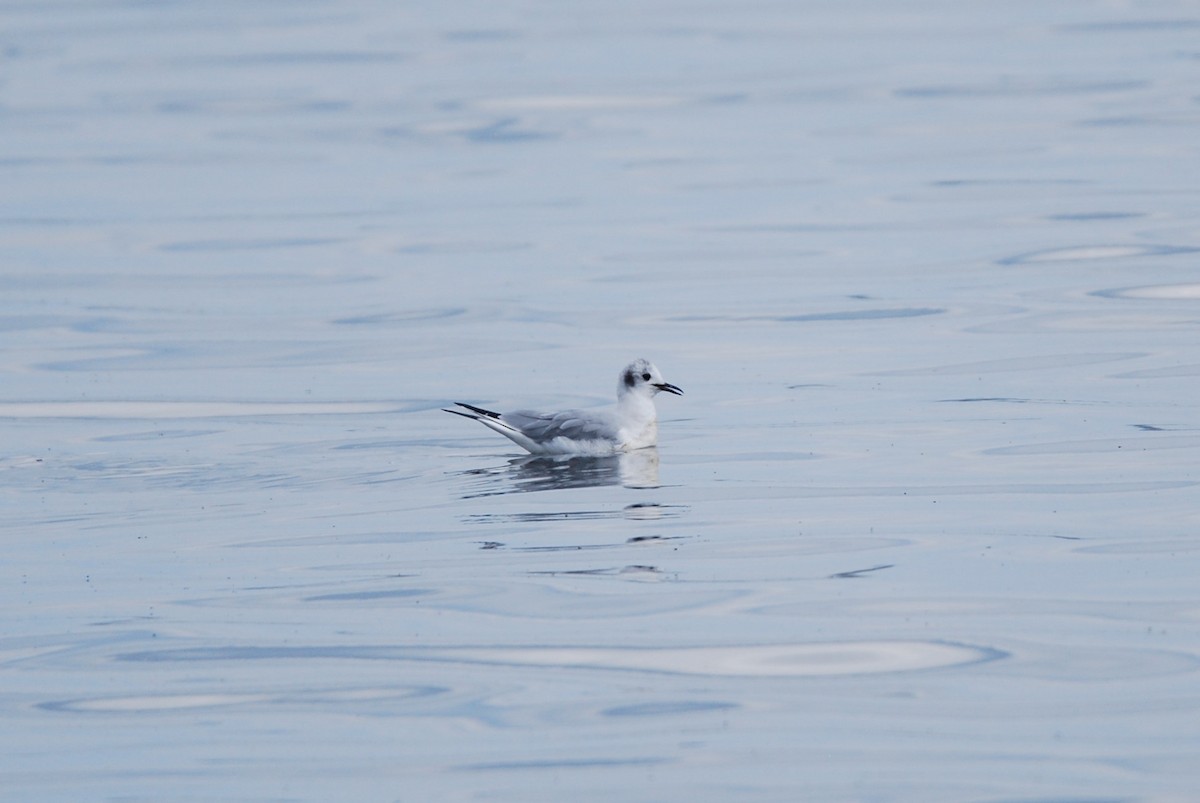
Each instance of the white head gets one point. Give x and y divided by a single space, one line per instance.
642 378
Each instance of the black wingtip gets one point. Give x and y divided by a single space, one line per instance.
475 409
460 412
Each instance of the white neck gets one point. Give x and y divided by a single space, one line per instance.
637 406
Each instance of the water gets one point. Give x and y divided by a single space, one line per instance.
923 527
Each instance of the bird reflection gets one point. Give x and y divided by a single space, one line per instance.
636 469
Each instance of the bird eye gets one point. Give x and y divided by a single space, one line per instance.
645 377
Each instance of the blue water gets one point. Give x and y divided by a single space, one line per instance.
923 527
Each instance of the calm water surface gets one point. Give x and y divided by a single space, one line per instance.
924 526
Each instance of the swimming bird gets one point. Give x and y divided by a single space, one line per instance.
631 424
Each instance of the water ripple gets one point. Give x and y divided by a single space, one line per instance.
1084 253
823 659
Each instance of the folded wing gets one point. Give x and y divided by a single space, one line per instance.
574 424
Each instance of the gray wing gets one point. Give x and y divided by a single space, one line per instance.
580 425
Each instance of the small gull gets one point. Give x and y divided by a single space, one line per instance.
631 424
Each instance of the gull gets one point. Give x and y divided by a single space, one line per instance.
631 424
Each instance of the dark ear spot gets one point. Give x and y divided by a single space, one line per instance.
630 379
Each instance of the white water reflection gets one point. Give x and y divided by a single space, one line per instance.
158 410
777 660
1188 292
